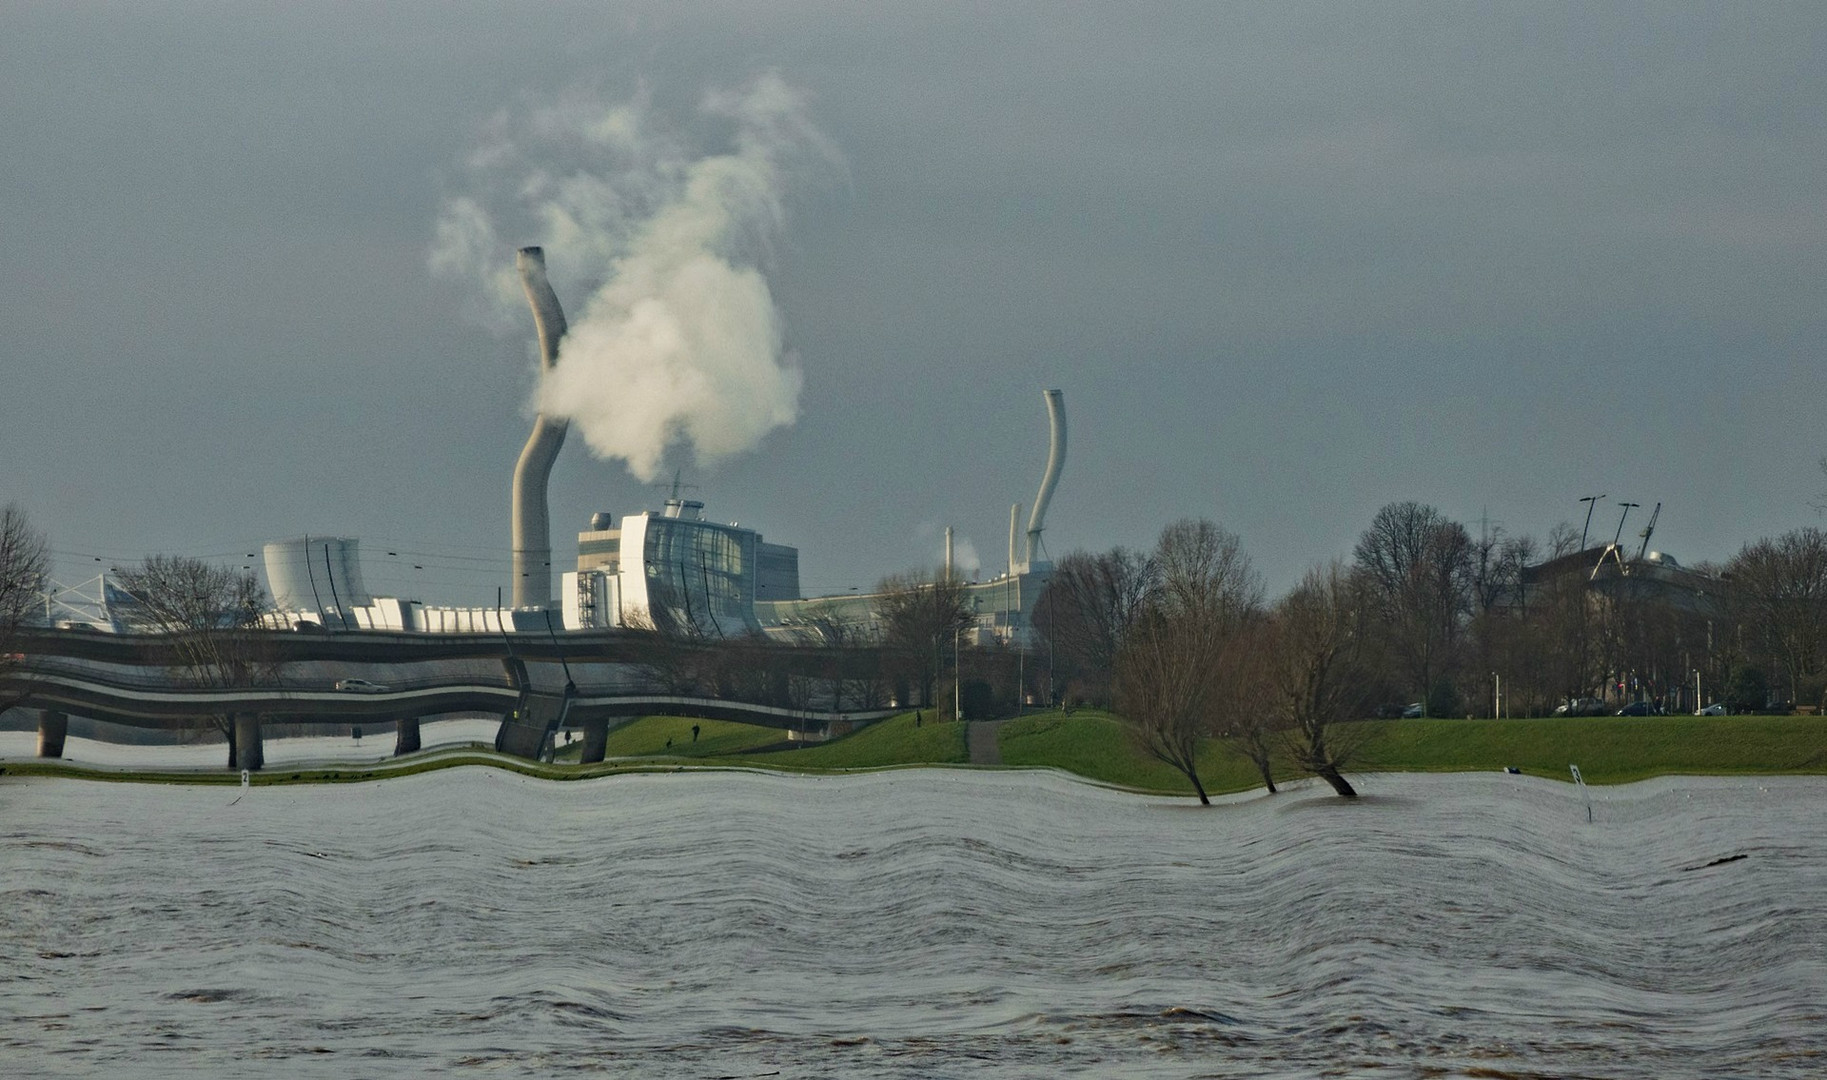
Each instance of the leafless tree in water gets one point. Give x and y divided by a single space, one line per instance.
1244 717
1317 676
1171 670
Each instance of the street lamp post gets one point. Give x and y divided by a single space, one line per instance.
1496 696
1628 506
957 677
1590 501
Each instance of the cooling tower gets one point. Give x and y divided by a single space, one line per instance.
315 573
532 530
1056 460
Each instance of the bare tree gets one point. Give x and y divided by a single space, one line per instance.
1563 539
1497 562
1089 606
673 659
1416 565
1166 689
853 666
1172 668
24 560
920 618
1317 682
1779 593
1244 717
208 614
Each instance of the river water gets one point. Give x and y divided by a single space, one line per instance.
919 923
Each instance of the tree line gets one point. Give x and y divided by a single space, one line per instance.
1182 642
1425 619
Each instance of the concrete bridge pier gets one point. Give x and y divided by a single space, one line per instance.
250 752
596 741
53 727
406 735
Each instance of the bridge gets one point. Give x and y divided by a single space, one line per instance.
537 685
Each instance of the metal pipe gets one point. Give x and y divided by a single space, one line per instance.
532 528
1056 460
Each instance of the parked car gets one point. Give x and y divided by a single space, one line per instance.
1640 708
1414 711
1717 708
361 686
1582 707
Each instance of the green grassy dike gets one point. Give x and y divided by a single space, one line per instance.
1093 744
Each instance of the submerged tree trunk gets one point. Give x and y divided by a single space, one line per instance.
1193 775
1331 775
1268 777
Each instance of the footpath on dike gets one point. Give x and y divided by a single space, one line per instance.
981 739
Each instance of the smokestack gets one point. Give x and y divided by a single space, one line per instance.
532 530
1056 460
1014 518
948 553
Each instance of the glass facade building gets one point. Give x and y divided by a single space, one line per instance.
675 571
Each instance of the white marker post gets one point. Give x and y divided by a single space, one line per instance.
1581 781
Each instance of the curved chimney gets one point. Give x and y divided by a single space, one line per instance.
1056 460
532 529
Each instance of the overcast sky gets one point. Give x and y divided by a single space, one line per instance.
1288 263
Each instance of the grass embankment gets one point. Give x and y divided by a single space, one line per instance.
649 736
1608 749
898 740
1094 744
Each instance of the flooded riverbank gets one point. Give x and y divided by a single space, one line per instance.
913 923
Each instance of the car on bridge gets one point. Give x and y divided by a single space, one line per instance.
361 686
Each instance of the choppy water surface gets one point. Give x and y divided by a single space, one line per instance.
924 923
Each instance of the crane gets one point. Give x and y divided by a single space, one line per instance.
1647 530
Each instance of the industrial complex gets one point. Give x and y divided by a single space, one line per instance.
672 569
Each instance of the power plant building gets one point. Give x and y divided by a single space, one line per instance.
677 573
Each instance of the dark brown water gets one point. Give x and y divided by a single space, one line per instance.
926 923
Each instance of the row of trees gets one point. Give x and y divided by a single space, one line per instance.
1180 642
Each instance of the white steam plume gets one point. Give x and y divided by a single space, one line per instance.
679 341
965 560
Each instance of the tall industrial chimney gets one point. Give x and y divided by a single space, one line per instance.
532 530
1056 460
